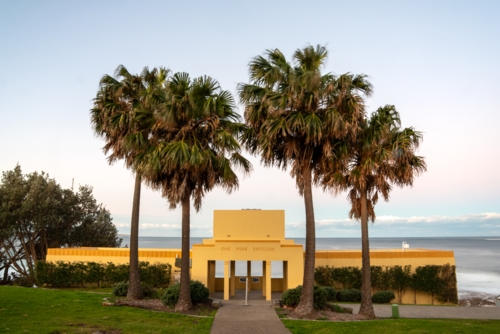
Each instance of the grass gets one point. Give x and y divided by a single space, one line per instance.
26 310
406 326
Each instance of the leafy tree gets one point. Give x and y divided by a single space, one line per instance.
295 116
382 154
400 280
122 116
196 151
36 213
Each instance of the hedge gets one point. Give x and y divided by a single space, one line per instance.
439 282
68 274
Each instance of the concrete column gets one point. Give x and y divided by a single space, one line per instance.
264 281
249 275
285 276
226 280
233 278
268 281
211 276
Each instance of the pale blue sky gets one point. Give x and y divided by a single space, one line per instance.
437 61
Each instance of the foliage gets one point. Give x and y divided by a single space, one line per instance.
37 213
66 274
331 294
349 295
438 281
296 115
383 297
336 308
199 293
448 285
291 297
400 280
320 297
120 289
64 311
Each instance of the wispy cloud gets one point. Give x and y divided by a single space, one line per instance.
490 219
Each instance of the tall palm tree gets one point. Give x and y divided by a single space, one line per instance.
195 150
295 115
381 155
122 116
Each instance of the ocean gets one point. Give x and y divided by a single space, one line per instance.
477 258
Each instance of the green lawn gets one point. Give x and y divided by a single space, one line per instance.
406 326
27 310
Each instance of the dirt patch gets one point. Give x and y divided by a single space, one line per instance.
288 313
204 309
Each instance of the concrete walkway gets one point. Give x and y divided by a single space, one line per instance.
433 312
258 317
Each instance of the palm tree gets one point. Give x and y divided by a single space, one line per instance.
122 117
295 115
196 149
381 155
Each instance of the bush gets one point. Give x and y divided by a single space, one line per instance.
336 308
320 297
383 297
331 293
349 295
120 289
291 297
199 293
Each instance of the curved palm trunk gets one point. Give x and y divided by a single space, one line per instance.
184 303
306 304
366 307
134 283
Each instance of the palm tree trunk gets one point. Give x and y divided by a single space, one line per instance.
306 304
366 307
184 303
134 284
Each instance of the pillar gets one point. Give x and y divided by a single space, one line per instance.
233 278
268 281
285 276
226 280
264 281
249 275
211 276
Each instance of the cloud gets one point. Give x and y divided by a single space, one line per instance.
486 217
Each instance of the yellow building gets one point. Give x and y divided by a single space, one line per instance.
256 235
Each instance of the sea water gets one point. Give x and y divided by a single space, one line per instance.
477 258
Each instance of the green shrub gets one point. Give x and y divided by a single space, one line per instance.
320 297
331 293
335 308
291 297
171 295
349 295
120 289
383 297
199 293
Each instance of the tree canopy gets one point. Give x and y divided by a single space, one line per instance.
36 213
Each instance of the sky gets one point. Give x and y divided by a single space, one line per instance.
436 61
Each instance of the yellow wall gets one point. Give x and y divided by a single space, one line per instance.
249 224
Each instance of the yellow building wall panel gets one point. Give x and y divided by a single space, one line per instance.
249 224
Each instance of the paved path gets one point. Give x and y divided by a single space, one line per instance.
428 312
258 317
